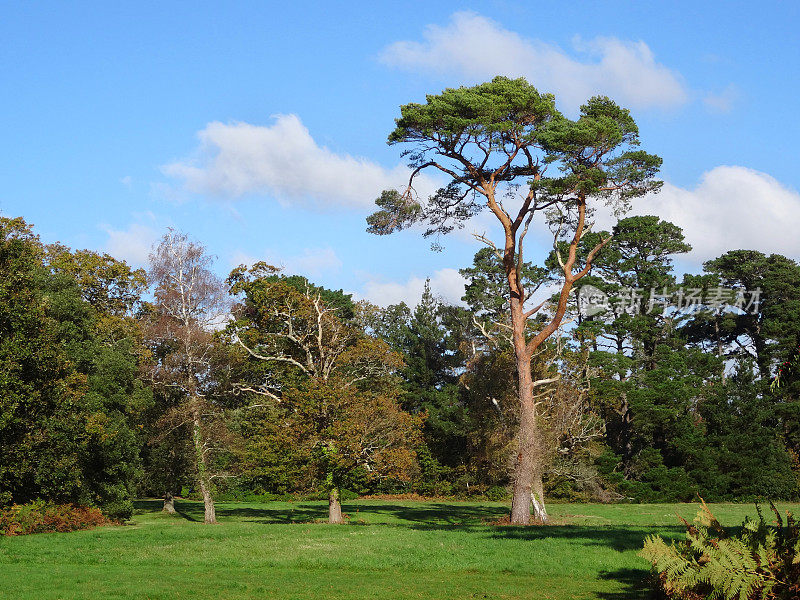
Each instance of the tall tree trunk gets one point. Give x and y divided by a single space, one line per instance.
530 447
528 433
208 503
203 478
169 503
334 507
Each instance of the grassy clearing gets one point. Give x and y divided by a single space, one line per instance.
391 550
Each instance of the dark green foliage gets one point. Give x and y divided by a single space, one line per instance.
166 456
685 400
769 332
496 110
678 419
497 494
428 339
261 279
66 391
505 131
430 381
742 425
640 254
691 432
271 460
486 292
395 212
32 372
788 371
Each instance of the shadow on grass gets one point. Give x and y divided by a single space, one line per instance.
147 505
635 584
450 517
621 538
191 510
434 514
429 517
186 510
423 517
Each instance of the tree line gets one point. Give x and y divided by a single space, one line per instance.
599 374
119 382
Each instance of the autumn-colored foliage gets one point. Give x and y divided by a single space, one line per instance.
42 517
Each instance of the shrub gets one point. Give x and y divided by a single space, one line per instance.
120 509
41 517
497 493
345 495
762 561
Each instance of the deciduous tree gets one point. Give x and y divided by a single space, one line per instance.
66 394
190 304
332 377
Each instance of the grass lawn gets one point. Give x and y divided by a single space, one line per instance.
390 550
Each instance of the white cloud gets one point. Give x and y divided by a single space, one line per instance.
445 283
127 181
132 245
315 262
282 160
478 48
312 262
723 101
731 208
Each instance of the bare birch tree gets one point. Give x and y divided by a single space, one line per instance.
190 303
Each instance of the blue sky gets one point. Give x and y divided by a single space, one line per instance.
259 128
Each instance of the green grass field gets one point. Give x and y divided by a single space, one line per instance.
390 550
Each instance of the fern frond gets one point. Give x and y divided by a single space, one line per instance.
761 563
